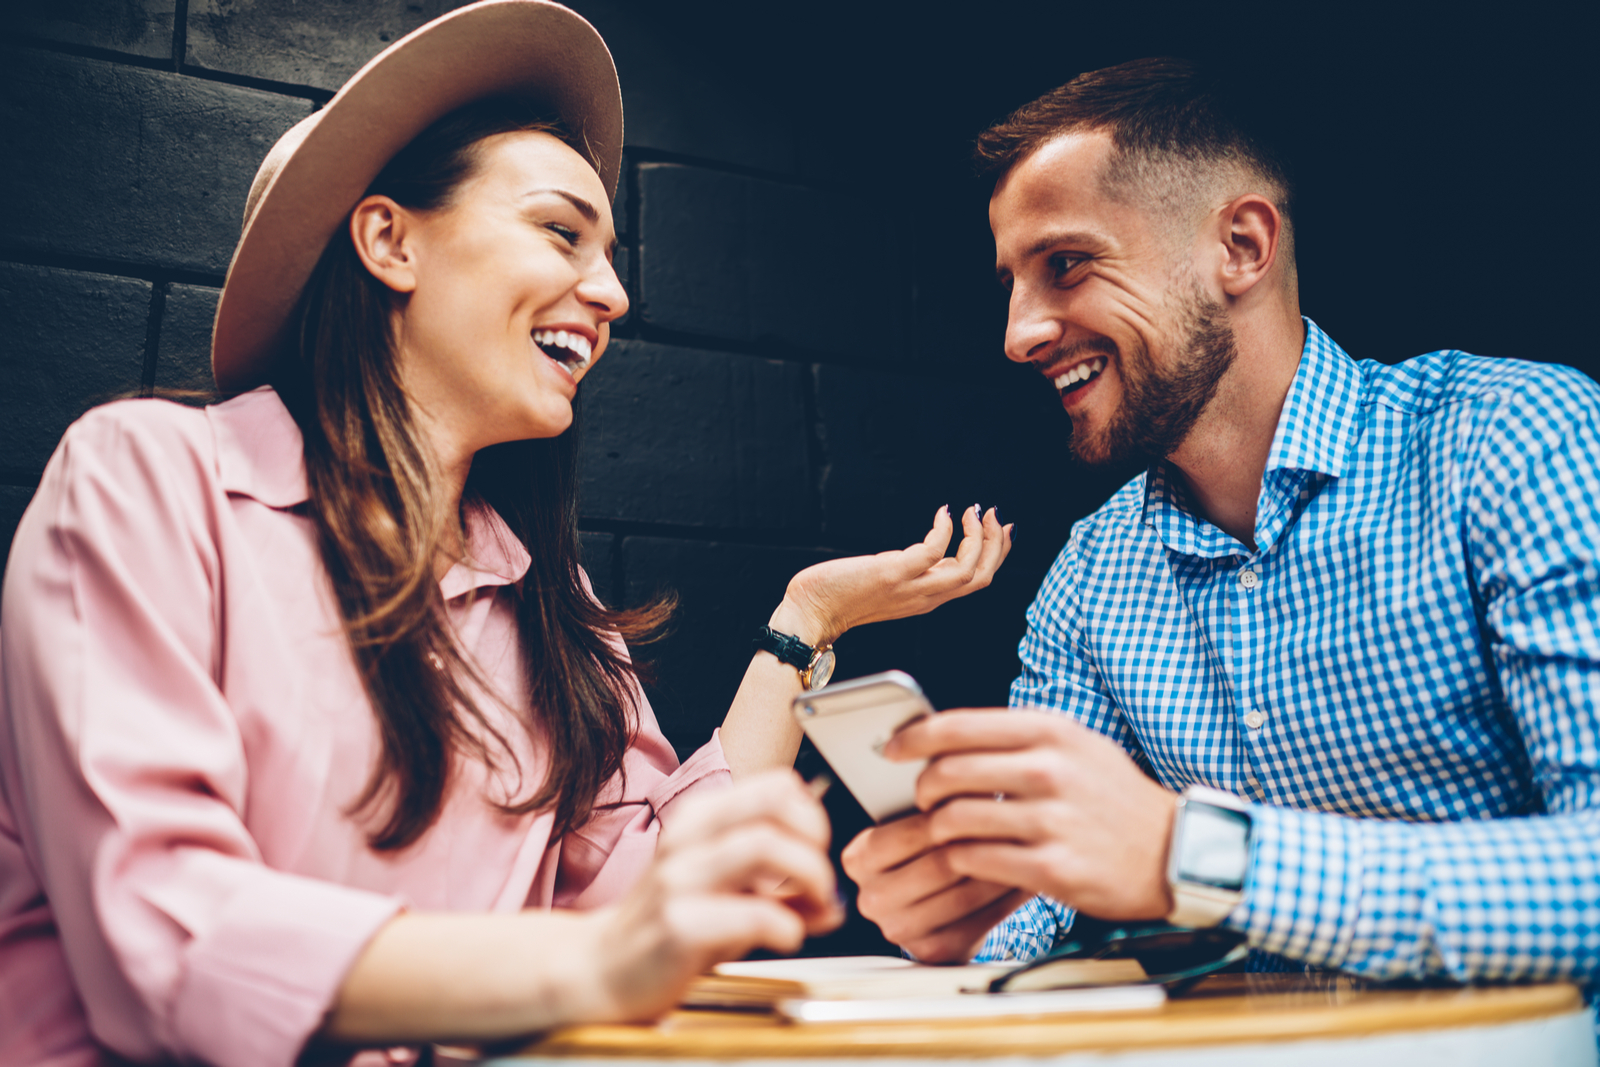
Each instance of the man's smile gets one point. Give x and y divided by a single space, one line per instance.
1079 375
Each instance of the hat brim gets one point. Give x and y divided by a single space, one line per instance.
530 49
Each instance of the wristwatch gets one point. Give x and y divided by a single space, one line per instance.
815 664
1209 857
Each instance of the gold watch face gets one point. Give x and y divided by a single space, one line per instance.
820 671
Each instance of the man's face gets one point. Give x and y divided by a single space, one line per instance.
1105 304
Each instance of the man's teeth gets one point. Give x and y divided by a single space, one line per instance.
573 350
1081 373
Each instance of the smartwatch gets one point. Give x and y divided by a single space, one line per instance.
814 664
1209 856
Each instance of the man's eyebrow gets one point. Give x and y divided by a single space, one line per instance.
1071 237
1080 238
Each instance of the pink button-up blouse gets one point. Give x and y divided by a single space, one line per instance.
184 730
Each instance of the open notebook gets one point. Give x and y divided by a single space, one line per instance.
821 989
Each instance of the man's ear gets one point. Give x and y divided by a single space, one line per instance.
380 229
1252 231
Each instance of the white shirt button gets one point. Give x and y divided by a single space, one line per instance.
1249 579
1254 719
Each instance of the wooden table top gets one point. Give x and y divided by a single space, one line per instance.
1221 1009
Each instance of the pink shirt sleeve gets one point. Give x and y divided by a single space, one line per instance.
602 859
126 769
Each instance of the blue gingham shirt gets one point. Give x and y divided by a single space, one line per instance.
1418 630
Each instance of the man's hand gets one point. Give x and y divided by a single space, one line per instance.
1012 799
910 890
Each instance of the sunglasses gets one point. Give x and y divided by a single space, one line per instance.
1175 957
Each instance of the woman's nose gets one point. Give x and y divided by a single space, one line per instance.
602 290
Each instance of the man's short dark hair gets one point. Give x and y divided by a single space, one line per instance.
1168 118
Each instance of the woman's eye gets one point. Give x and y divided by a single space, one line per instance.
569 235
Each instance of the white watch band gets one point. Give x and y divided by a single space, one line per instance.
1200 906
1199 903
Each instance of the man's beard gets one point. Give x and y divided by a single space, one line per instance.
1159 408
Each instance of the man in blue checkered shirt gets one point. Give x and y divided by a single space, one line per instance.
1362 600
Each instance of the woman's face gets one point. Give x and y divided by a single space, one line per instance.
505 294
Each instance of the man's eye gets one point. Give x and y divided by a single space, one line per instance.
1061 263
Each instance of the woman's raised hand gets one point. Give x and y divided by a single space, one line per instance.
735 869
830 598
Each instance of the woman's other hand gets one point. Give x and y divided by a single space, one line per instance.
737 869
827 599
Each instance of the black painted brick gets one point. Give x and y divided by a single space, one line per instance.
183 351
124 163
595 549
316 44
681 95
623 262
13 500
620 204
674 98
682 436
756 261
900 445
724 592
136 27
71 340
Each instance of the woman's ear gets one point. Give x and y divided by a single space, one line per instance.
380 229
1253 230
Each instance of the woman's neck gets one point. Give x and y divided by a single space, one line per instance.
451 461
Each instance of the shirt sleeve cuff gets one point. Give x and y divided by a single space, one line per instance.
706 766
1303 890
257 987
1028 933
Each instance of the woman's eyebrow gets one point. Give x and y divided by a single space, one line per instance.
585 208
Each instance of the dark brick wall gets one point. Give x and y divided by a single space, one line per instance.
812 364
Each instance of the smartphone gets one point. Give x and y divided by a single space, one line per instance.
850 722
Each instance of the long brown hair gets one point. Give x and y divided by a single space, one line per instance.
372 498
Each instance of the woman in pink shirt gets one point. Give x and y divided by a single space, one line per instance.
314 735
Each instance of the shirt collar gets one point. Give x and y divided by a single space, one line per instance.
1320 422
1316 435
261 455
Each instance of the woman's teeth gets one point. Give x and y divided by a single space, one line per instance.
1081 373
572 351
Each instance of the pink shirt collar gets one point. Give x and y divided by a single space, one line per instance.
260 455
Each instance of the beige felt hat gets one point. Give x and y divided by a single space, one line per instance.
318 170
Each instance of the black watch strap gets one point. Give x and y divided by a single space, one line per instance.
785 647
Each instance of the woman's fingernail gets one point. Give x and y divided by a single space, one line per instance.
977 510
997 516
1013 534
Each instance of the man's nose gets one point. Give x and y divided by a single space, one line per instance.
1028 329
